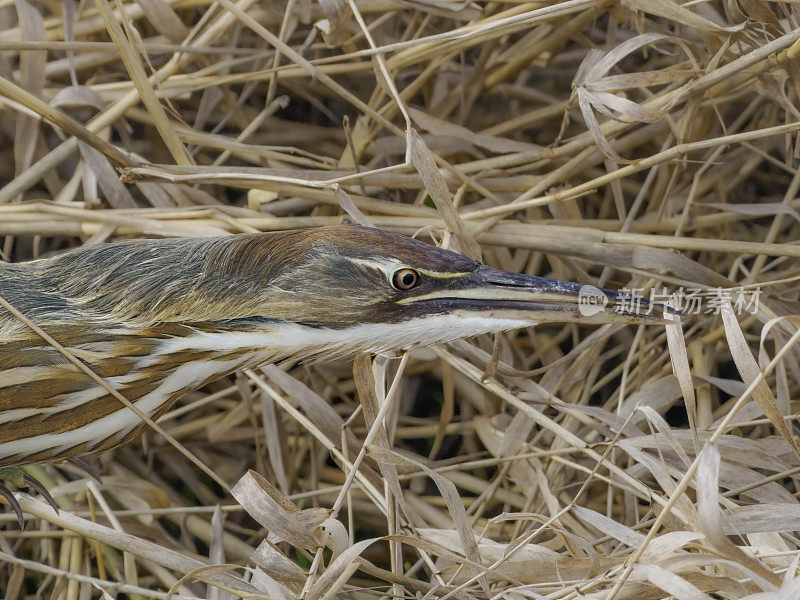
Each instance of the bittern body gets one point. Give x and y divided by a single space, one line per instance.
158 318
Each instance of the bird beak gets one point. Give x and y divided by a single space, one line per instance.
495 294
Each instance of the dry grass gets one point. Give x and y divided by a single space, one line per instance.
645 143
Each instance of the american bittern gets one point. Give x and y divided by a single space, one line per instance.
158 318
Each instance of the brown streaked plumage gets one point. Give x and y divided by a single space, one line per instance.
158 318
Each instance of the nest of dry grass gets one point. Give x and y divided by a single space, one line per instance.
647 144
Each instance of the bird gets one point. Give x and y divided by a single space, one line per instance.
157 318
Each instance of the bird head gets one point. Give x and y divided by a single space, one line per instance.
363 289
346 275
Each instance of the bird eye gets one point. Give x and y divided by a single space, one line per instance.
405 279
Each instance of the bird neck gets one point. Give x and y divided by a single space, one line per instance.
265 340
